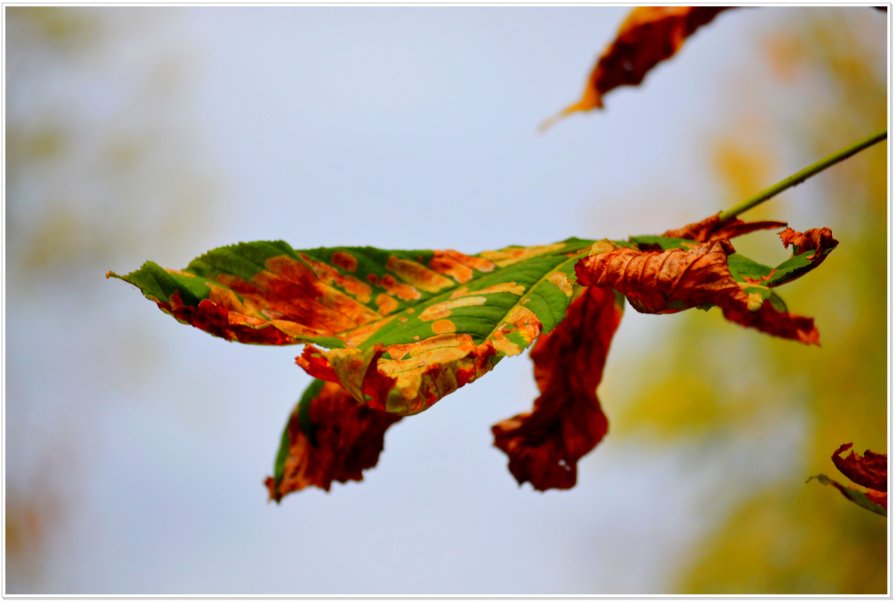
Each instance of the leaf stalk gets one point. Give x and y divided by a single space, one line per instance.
802 175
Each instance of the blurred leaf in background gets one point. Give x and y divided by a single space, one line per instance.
767 532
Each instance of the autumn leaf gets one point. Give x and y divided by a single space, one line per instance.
869 470
648 36
392 332
399 330
567 422
402 328
665 274
329 437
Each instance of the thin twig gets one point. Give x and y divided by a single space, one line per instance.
802 175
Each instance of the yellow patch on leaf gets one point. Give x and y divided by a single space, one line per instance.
404 378
510 255
386 304
562 281
417 275
459 266
520 320
360 334
501 287
444 309
443 327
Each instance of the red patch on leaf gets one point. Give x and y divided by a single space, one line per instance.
459 266
287 301
344 260
215 318
567 422
346 439
659 282
315 364
294 298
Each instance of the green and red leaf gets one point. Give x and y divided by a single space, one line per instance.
403 328
869 470
567 422
329 437
389 333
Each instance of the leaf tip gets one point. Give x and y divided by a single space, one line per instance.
273 494
589 101
110 274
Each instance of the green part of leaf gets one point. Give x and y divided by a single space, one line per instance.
777 302
795 267
302 408
744 269
243 260
159 284
855 495
757 278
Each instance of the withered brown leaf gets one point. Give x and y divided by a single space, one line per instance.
567 422
660 282
648 36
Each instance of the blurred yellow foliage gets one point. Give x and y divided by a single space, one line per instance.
786 537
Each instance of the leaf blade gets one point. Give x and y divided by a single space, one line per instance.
403 328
